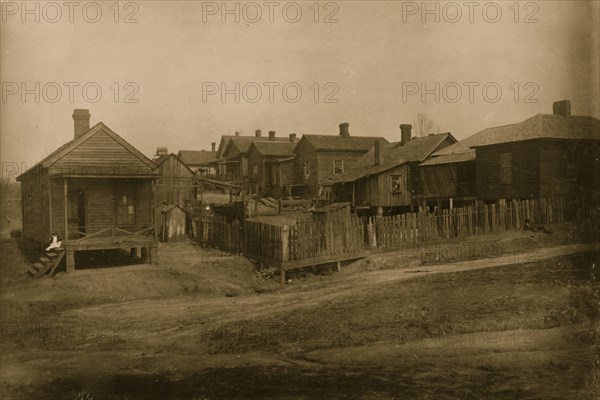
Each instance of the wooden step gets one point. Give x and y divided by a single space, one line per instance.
52 255
45 260
31 270
42 271
38 266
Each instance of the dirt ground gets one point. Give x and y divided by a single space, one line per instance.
501 316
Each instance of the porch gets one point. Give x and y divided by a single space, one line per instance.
113 238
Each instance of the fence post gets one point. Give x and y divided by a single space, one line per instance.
285 240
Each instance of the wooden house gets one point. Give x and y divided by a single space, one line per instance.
261 156
320 158
175 184
547 155
232 156
200 161
449 177
95 192
387 176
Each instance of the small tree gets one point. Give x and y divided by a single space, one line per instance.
423 125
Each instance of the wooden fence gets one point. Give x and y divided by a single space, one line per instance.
215 231
312 239
274 245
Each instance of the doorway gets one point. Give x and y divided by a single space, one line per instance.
76 214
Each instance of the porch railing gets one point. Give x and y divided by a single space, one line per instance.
115 233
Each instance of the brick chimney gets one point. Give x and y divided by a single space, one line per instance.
562 108
293 137
271 135
213 147
405 133
344 129
377 151
257 133
81 119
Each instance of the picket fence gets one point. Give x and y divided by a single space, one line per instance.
273 245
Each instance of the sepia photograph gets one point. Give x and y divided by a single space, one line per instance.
297 200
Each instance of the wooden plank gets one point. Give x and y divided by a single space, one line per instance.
56 263
42 271
65 210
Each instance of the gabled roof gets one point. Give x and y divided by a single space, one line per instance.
63 150
274 148
540 126
196 157
165 157
338 143
393 155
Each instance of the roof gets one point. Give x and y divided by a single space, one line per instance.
72 144
540 126
241 142
164 158
393 155
196 157
339 143
274 148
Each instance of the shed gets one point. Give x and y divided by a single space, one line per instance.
169 222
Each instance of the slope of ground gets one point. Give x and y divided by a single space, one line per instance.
492 329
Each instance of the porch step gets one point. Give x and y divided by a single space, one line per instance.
32 270
42 271
39 269
52 255
38 266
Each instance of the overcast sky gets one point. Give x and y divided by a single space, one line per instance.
370 61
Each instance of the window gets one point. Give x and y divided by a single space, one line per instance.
338 166
397 186
306 171
125 205
506 171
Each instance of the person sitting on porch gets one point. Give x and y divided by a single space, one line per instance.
55 243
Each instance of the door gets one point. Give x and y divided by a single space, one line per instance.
76 214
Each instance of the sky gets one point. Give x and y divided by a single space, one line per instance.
162 67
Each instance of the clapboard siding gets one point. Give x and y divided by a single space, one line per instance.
58 216
541 168
100 150
109 164
325 162
34 223
377 190
175 185
525 171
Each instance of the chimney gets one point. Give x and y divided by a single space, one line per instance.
257 133
344 131
81 119
293 137
237 133
213 147
405 134
271 135
378 158
562 108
